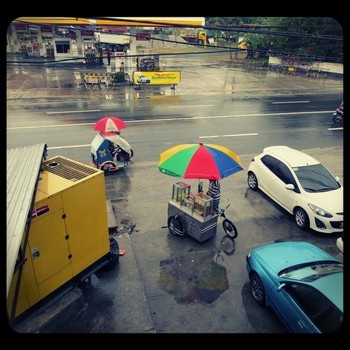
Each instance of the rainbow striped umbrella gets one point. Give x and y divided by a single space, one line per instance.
199 161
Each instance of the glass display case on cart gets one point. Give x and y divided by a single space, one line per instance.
191 212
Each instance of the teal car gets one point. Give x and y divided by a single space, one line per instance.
301 283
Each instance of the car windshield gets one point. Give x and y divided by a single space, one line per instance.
316 178
311 272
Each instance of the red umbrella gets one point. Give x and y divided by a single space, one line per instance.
110 123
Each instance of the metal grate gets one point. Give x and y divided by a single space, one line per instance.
67 169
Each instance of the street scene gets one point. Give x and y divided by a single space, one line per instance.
182 262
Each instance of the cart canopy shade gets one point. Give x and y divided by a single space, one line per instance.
199 161
100 138
23 169
118 140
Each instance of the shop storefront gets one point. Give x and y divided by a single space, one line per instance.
50 41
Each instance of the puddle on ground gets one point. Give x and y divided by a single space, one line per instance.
193 278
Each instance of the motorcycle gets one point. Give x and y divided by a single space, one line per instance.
110 152
338 115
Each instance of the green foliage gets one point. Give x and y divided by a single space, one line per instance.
311 36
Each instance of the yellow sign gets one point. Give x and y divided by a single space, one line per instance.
157 78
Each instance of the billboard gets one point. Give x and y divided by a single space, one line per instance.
157 78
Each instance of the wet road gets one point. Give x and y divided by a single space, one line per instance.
169 284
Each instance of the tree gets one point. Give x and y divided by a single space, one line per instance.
320 37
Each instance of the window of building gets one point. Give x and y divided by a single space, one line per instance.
62 46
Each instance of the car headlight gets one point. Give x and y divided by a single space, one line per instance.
319 211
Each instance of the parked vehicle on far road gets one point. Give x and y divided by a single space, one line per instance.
301 185
338 115
301 283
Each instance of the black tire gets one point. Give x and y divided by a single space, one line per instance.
176 226
257 289
301 218
252 181
337 118
107 166
229 228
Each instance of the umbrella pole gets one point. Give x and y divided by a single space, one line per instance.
200 186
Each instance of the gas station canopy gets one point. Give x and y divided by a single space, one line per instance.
117 21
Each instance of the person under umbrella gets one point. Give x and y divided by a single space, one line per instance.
215 193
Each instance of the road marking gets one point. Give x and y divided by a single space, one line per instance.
192 106
74 146
286 102
331 129
169 119
233 135
109 97
69 112
49 126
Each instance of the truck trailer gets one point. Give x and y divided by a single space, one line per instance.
119 42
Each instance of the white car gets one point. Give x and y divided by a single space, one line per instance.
301 185
142 79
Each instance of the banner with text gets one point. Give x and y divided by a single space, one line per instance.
157 78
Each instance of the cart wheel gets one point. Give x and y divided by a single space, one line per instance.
176 226
230 228
108 167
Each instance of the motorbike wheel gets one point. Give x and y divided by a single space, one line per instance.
230 228
337 118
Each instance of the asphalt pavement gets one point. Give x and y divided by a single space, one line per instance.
166 284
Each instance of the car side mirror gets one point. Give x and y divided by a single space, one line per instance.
290 187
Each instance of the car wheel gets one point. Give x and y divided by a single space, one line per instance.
257 289
252 181
301 218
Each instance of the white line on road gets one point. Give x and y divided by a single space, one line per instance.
192 106
286 102
71 112
74 146
233 135
49 126
331 129
175 119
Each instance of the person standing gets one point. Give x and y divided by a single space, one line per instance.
214 192
109 57
100 56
